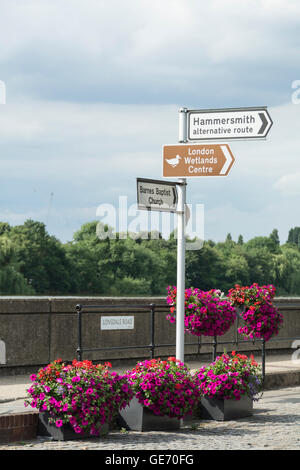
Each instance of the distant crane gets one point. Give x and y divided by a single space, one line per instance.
49 207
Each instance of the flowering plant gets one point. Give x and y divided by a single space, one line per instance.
262 319
206 313
164 387
81 394
230 377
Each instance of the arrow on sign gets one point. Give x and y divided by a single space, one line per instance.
174 196
229 159
264 123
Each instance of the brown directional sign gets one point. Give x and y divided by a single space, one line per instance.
184 161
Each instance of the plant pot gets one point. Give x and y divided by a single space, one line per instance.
136 417
64 433
225 410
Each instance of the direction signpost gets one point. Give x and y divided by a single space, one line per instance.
205 125
186 160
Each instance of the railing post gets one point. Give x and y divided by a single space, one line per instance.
79 348
214 348
263 359
237 328
152 330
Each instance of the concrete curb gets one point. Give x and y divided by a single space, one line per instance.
18 427
277 380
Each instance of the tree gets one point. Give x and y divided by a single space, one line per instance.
240 240
205 268
42 259
261 243
12 282
293 235
4 228
275 237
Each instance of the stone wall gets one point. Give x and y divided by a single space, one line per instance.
36 330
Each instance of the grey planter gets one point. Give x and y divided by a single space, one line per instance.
64 433
136 417
225 410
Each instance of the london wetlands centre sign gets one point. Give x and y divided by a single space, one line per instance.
183 160
225 124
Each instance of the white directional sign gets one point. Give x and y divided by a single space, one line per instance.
155 195
228 124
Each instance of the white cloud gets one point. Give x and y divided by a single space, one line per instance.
93 91
90 154
289 185
36 120
140 51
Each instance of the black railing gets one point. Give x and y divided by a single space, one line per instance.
153 309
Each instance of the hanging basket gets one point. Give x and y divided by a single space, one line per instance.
206 313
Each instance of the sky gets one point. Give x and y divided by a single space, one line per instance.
92 94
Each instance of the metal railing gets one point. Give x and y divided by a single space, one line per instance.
152 308
152 345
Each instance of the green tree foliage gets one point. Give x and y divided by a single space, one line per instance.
294 235
42 258
275 237
240 240
11 280
108 263
99 261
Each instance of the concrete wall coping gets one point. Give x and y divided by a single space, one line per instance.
64 297
67 304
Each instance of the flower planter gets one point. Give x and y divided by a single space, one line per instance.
84 398
225 410
137 417
64 433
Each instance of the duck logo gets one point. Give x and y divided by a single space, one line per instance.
174 161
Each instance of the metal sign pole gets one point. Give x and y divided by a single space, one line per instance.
180 295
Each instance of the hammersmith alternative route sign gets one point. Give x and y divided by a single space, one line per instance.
154 195
185 160
225 124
